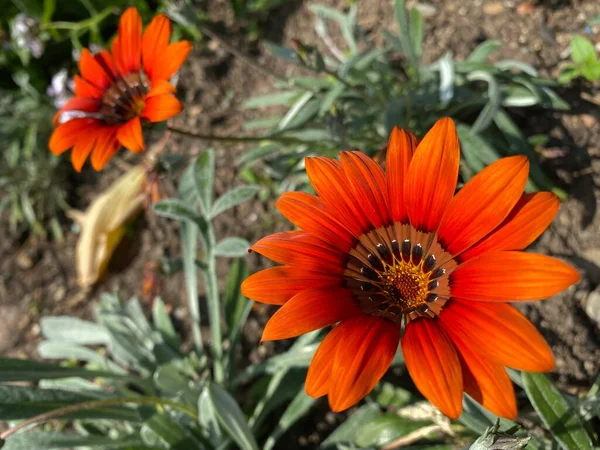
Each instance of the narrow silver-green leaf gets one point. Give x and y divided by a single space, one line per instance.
52 440
272 99
232 247
204 170
555 412
231 417
74 330
163 324
297 408
28 370
483 51
207 416
234 197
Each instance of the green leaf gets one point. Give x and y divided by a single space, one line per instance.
234 197
204 171
27 370
555 412
36 440
160 429
591 70
207 416
67 351
163 324
189 245
233 300
176 209
416 31
17 402
488 113
384 429
231 418
294 112
272 99
347 431
297 408
405 32
287 54
483 51
582 50
232 247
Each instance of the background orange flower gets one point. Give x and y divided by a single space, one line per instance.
116 91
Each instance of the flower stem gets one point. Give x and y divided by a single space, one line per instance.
240 139
154 401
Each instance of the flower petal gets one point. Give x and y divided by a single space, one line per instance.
532 214
127 46
308 213
433 365
160 87
106 147
400 150
175 56
329 181
483 203
277 285
155 42
66 135
510 276
83 104
319 371
367 182
93 71
84 146
499 332
432 175
310 310
486 382
362 357
300 249
130 135
84 88
161 107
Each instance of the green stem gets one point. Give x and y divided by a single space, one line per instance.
189 239
153 401
240 139
214 306
87 23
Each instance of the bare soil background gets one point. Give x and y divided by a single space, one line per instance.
37 277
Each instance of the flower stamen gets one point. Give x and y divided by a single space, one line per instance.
399 281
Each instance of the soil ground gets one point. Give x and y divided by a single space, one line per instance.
37 277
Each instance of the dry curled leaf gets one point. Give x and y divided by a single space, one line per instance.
104 223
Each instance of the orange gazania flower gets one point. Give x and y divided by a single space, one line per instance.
377 251
117 90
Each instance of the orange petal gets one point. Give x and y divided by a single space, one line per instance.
367 182
130 135
483 203
528 219
319 371
310 310
160 87
66 135
161 107
127 46
432 175
84 88
106 61
510 276
173 59
486 382
300 249
308 213
362 357
93 71
499 332
83 147
106 147
400 150
278 284
84 104
433 365
155 42
332 186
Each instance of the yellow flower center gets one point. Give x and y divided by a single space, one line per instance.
399 273
124 99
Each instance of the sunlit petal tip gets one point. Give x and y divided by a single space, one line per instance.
433 365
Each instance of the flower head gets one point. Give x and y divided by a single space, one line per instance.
116 91
378 251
